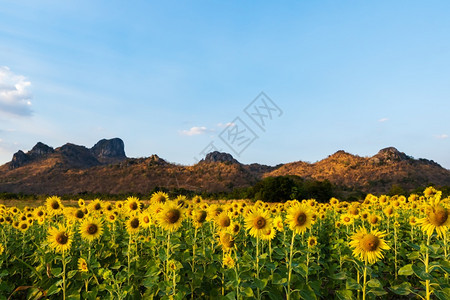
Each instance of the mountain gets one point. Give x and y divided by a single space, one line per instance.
104 168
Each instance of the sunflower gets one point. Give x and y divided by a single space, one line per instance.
95 205
81 202
347 219
312 242
269 234
412 221
258 222
133 225
228 261
367 246
132 204
82 265
59 239
226 240
146 220
54 205
39 213
436 219
299 218
235 227
91 229
199 217
159 197
223 220
278 223
23 226
374 220
111 217
388 211
2 249
171 216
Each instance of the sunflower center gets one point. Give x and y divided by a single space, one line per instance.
201 216
225 222
92 228
55 205
40 213
79 214
97 206
24 226
227 240
62 238
133 206
146 219
370 242
439 217
260 222
301 219
134 223
173 215
347 219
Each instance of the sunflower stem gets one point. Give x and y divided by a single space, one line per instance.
364 280
128 257
257 265
427 282
64 274
291 254
167 256
395 250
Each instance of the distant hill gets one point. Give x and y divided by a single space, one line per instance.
104 168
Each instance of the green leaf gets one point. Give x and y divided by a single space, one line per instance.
339 276
71 274
420 272
403 289
378 292
308 293
443 294
414 255
352 284
374 283
56 272
277 279
302 269
53 289
231 296
248 292
260 283
344 295
406 270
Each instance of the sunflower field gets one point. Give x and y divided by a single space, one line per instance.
381 247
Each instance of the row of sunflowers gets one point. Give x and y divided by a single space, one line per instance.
389 247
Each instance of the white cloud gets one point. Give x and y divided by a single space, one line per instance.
223 125
14 95
441 136
195 131
383 120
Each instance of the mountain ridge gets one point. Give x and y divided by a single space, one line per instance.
105 168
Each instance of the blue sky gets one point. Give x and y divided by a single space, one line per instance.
167 77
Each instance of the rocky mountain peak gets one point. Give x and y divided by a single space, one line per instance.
107 151
19 159
217 156
40 149
390 154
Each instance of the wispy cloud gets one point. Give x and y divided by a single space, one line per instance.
14 95
441 136
383 120
223 125
194 131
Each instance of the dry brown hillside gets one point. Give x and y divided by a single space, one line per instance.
104 168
